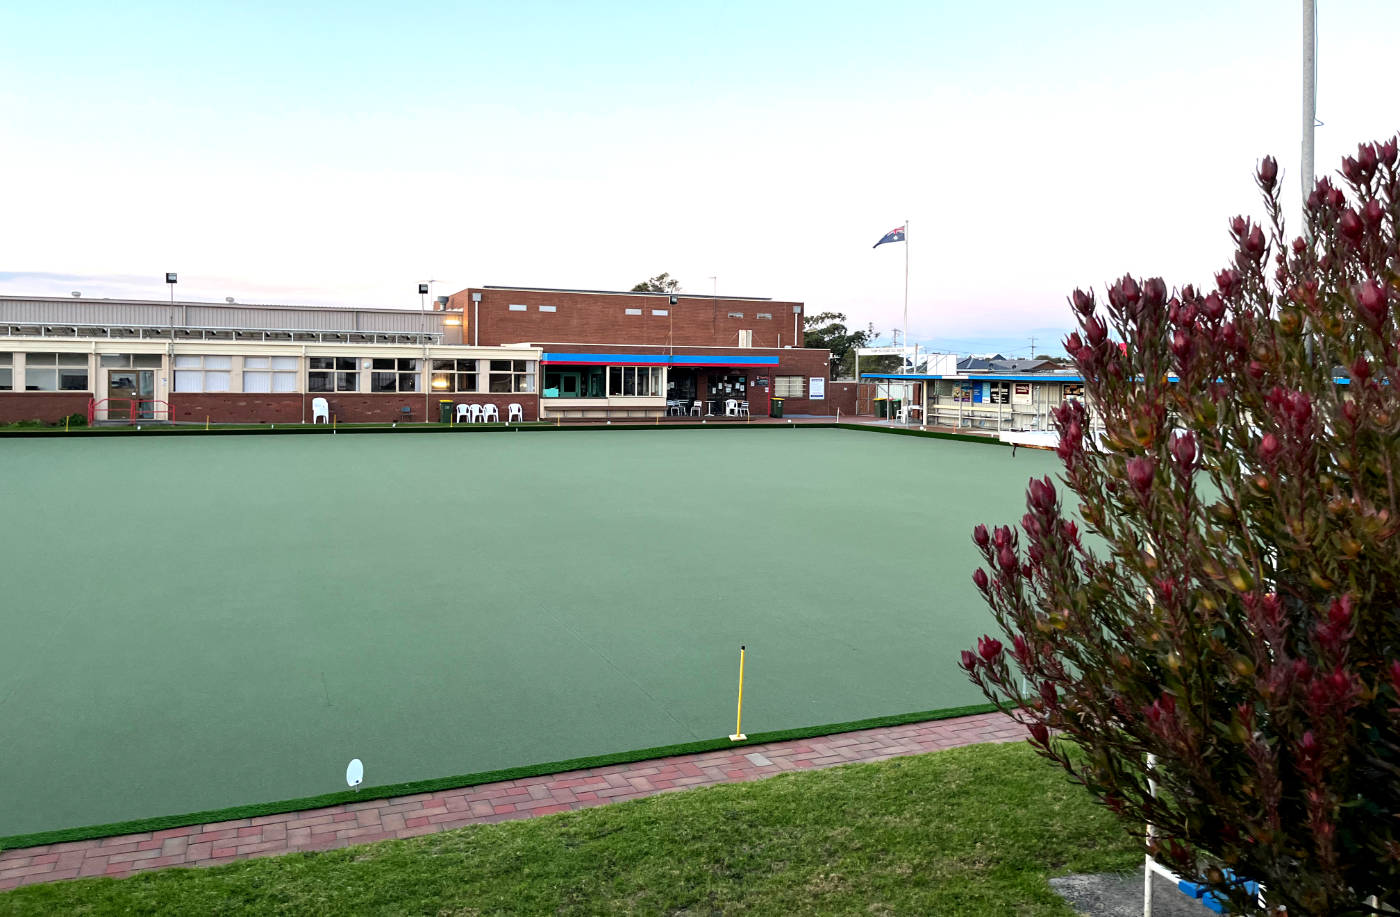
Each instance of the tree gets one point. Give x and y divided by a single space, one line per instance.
661 283
1237 619
828 331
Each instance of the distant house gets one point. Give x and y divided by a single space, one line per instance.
1000 364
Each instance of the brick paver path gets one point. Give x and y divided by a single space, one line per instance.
425 813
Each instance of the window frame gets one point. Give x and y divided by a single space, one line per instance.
200 372
783 387
455 374
336 378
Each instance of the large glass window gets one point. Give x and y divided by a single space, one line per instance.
56 372
390 375
332 374
209 373
787 386
270 374
574 382
512 376
7 372
454 376
634 381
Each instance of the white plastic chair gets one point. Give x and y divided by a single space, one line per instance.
463 413
515 412
697 408
744 408
491 413
478 415
731 407
320 410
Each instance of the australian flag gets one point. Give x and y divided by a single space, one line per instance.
894 235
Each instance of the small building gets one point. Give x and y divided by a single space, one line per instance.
990 401
606 354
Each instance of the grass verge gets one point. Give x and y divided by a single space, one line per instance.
971 831
384 791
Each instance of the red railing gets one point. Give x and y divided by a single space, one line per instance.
130 409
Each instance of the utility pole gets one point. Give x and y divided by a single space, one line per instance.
1032 348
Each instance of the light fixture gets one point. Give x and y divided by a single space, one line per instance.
452 321
440 383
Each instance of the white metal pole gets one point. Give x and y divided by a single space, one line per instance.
1309 97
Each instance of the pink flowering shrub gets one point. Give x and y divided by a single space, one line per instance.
1237 615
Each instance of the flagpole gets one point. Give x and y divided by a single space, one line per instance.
904 362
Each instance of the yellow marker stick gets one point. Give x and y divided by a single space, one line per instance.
206 421
738 735
65 425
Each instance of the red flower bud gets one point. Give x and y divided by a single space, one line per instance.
1096 329
1387 152
1238 227
1001 536
1083 302
1039 734
1214 307
979 536
1269 448
1299 246
1351 169
1335 198
1360 370
979 579
1227 281
1154 292
1183 447
1073 342
1268 173
1040 495
1366 158
1372 213
1141 471
1350 225
969 661
1370 301
1007 559
989 648
1254 245
1181 347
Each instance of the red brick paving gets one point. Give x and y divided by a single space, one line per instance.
426 813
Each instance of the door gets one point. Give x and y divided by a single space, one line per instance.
126 387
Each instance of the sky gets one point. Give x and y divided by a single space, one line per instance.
341 153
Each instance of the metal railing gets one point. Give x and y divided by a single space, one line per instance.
132 410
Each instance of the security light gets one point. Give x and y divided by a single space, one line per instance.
171 278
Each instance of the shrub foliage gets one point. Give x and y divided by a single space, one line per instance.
1234 616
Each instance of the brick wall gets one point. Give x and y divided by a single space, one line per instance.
346 407
46 406
600 318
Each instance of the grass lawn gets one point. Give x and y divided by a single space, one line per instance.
971 831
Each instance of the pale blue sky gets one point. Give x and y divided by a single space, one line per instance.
342 152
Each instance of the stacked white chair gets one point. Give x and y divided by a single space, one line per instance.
320 410
478 415
491 413
463 412
515 412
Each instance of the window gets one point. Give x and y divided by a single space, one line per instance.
999 392
634 381
7 372
56 372
632 311
660 311
454 376
390 375
202 373
516 307
548 309
745 338
767 315
269 374
787 386
331 374
511 376
129 360
736 315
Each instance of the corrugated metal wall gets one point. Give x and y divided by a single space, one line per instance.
210 315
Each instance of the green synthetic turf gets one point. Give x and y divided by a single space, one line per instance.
197 623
